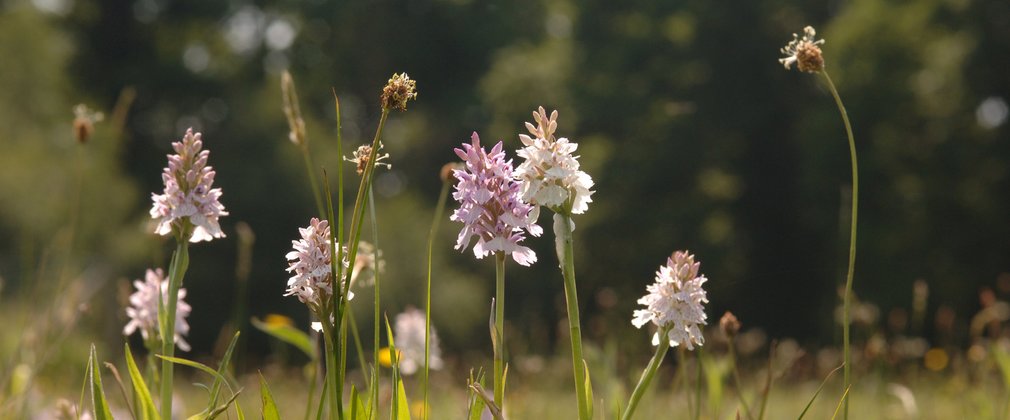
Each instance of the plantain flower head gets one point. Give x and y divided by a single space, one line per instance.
398 90
674 302
189 196
491 207
805 52
143 309
550 175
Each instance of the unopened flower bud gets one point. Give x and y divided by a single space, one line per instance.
729 325
399 89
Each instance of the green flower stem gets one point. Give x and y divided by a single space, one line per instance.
331 370
377 295
499 325
176 272
564 244
847 299
357 215
650 371
439 209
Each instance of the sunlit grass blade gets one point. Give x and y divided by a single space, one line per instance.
475 404
99 404
587 389
288 334
141 394
819 388
269 406
841 402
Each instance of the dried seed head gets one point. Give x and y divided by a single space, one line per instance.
805 52
291 110
84 122
399 89
729 325
446 173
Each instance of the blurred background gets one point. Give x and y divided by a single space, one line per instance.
694 134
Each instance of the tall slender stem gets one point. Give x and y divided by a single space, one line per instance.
499 325
331 370
439 209
647 374
566 255
847 299
176 272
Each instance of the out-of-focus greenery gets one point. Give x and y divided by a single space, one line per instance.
695 135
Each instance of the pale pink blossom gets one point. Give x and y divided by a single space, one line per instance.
490 205
674 302
188 193
143 309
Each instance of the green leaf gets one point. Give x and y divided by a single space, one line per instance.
819 391
99 404
269 406
288 334
403 406
141 393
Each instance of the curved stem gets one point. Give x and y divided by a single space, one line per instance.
567 258
499 322
439 209
847 299
647 374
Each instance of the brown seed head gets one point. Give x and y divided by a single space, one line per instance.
809 58
83 129
446 173
84 122
729 325
399 89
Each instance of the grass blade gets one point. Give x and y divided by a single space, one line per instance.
841 402
826 378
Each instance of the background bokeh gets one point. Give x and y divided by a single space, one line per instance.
695 135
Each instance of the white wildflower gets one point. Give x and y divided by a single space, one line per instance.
550 175
674 302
